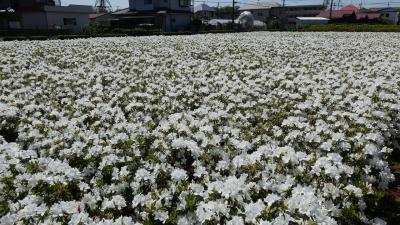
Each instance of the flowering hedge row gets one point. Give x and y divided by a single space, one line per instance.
255 128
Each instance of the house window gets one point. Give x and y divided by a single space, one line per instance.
387 15
184 3
260 14
165 1
69 21
173 20
148 2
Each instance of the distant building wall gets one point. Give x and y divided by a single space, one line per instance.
205 15
73 21
140 5
33 20
154 5
391 14
179 22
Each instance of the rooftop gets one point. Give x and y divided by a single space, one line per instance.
312 18
204 8
265 5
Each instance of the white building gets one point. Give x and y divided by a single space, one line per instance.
203 11
71 17
392 14
260 11
167 15
43 15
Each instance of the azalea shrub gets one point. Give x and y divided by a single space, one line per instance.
246 128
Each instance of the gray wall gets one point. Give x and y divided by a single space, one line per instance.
33 20
57 19
181 21
393 15
170 4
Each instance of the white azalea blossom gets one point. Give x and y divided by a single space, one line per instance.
249 128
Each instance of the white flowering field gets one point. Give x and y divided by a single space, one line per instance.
254 128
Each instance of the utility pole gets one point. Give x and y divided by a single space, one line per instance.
283 3
217 10
330 11
233 13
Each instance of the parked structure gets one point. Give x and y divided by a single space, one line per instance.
260 11
350 13
44 15
311 20
204 12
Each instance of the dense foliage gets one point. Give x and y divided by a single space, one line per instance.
349 27
254 128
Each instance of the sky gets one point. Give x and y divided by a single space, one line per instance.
120 4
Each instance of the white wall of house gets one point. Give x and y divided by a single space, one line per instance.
177 22
140 5
68 17
55 19
391 14
174 5
33 20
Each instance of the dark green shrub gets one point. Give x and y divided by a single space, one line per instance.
93 29
38 38
66 37
350 28
15 38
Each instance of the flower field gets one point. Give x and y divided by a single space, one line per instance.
248 128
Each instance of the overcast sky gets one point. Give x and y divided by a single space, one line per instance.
120 4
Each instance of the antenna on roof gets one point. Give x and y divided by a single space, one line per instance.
103 6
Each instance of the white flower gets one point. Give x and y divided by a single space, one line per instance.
161 216
253 210
236 220
207 211
178 175
271 198
355 190
142 174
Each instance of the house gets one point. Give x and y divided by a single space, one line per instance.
311 20
72 17
288 14
46 15
350 13
260 11
204 12
391 14
166 15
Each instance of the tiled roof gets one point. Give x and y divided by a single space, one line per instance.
348 10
